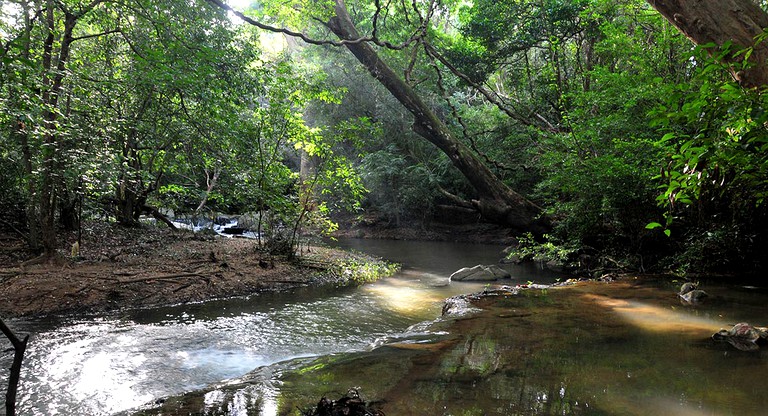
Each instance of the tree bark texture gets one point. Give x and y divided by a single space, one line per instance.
721 21
496 201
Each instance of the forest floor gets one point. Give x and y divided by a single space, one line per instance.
119 268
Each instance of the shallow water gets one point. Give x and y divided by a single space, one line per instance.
598 349
107 364
592 349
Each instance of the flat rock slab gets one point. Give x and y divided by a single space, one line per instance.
480 273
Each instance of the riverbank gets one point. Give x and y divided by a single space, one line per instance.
117 268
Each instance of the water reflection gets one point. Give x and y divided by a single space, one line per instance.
658 318
619 349
402 295
101 366
589 350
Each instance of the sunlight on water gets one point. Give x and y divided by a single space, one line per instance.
544 352
660 405
103 376
269 408
103 366
402 296
673 407
657 318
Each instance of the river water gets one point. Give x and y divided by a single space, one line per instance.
628 348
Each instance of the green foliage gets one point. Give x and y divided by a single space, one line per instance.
718 249
717 141
715 180
508 27
181 109
363 269
530 249
399 189
504 29
605 198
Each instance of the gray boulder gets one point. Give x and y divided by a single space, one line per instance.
480 273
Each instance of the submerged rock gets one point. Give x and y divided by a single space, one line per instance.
457 306
690 293
743 336
480 273
694 296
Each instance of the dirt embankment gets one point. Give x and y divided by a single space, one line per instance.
118 268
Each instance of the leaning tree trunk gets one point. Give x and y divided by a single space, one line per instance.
495 200
719 22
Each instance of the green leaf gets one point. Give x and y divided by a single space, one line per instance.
667 137
653 225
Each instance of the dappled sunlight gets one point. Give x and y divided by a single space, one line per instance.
656 318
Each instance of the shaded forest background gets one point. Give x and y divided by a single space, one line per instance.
623 141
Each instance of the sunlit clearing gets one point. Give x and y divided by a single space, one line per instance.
656 318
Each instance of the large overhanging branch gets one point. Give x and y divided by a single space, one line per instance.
495 200
418 34
739 23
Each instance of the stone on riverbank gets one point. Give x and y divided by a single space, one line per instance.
458 306
480 273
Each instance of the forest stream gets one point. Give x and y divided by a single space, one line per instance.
621 348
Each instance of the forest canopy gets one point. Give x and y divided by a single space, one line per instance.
614 131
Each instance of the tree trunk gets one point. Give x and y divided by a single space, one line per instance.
719 22
68 209
126 204
50 98
34 239
211 182
495 200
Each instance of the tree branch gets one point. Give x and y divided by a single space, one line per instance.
19 347
95 35
365 39
492 97
460 119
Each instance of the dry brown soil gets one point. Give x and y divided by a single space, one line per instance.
142 267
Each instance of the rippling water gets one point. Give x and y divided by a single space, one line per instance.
618 349
103 365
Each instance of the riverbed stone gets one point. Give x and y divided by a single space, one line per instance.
480 273
457 306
